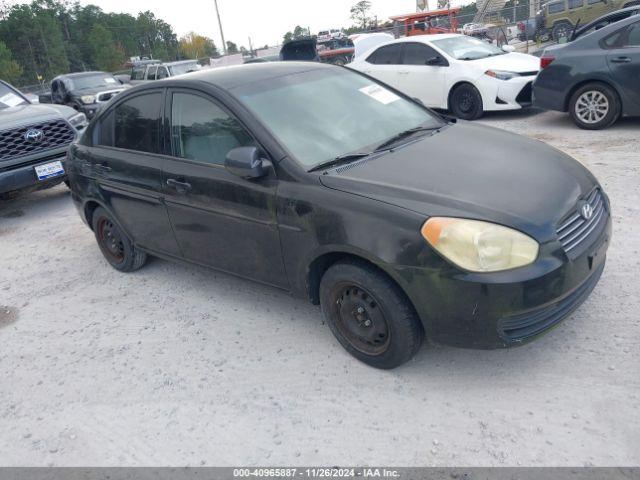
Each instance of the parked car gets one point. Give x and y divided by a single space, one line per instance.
558 18
328 184
329 35
157 71
595 78
613 17
33 141
475 29
86 92
456 72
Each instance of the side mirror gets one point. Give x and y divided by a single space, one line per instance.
508 48
246 162
434 61
44 98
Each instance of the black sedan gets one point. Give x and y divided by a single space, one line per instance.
323 182
595 78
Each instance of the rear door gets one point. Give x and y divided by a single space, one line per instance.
384 64
423 74
219 219
624 62
127 166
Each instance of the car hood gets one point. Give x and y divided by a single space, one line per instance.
476 172
96 90
32 113
511 62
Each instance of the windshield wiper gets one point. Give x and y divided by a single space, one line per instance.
407 133
340 160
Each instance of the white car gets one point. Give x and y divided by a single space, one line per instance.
450 71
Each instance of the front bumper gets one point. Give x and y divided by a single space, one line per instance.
509 308
24 176
91 110
511 94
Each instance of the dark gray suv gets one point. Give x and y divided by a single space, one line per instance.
33 141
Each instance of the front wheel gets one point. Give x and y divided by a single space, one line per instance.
594 106
466 102
369 315
114 244
561 30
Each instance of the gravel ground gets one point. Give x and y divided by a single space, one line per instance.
179 365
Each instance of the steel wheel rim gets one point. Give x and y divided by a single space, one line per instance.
592 106
466 102
360 319
111 239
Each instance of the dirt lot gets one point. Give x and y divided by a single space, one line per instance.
177 365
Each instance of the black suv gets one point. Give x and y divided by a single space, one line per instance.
33 141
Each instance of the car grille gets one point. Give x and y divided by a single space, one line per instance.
14 144
518 328
576 229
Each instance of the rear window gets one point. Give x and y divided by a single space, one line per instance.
137 123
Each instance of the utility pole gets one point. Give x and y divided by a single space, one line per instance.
224 44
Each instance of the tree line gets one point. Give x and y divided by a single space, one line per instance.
50 37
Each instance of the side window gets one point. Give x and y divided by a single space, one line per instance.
417 54
103 131
137 73
137 123
202 131
162 73
387 55
633 36
151 73
556 7
575 3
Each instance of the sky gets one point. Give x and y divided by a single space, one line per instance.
264 21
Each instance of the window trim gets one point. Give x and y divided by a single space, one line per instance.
120 100
624 35
168 137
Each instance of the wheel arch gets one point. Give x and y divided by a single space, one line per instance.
459 83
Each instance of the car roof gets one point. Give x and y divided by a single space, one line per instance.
180 62
427 38
82 74
235 76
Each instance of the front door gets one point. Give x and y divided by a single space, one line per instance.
219 219
624 63
126 164
423 74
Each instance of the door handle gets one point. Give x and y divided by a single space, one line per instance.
621 60
102 167
403 73
181 187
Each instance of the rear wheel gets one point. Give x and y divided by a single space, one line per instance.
594 106
369 315
561 30
466 102
114 244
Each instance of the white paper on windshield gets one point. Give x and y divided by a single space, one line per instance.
11 99
109 80
380 94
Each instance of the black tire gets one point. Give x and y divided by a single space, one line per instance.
594 106
466 102
560 30
341 61
114 244
369 315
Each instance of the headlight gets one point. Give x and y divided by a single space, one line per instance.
78 120
501 74
88 99
479 246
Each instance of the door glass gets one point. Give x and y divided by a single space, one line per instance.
556 7
576 3
387 55
417 54
162 73
202 131
137 123
151 73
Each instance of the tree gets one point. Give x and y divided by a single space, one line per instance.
232 48
193 45
360 13
104 52
298 32
10 70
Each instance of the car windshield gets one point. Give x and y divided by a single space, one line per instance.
467 48
183 68
10 97
86 82
319 115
